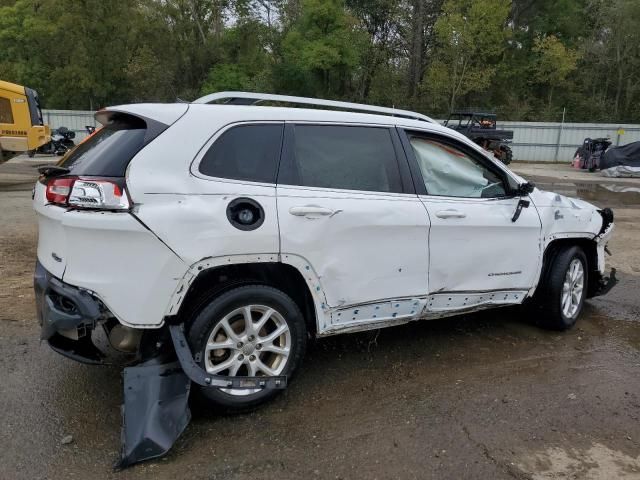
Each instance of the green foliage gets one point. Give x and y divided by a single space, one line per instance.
471 35
321 50
553 65
555 61
525 59
226 76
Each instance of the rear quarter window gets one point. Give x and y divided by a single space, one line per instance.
245 152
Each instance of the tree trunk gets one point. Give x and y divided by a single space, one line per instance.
616 105
416 50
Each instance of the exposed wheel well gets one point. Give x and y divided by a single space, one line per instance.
217 280
590 250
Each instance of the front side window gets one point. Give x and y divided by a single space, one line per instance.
6 116
449 171
345 157
245 152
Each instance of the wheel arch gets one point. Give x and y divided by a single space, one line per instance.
588 246
215 280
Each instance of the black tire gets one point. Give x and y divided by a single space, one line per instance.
31 153
550 314
208 317
507 157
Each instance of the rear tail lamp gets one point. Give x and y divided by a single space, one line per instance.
58 190
88 193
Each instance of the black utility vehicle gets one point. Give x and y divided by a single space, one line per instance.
481 128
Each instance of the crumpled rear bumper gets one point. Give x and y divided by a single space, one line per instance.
67 315
156 391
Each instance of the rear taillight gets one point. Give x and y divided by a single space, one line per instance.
88 193
58 190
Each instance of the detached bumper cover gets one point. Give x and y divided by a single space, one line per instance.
155 411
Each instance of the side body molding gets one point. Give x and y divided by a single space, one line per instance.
354 318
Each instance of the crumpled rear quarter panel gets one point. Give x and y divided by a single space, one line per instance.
112 255
123 263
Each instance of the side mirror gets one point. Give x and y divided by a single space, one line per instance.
525 189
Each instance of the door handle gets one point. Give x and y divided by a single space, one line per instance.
306 210
450 213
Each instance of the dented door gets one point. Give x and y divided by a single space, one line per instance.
475 246
477 242
342 208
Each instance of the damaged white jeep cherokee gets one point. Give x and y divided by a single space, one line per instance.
206 242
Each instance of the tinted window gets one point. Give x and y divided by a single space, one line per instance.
108 151
351 158
5 111
449 171
246 152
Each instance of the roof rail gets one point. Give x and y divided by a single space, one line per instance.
248 98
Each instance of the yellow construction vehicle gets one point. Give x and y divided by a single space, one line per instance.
21 125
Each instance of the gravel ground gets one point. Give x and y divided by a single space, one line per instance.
484 396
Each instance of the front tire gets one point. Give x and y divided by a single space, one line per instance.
253 330
562 297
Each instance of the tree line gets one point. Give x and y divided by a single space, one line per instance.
523 59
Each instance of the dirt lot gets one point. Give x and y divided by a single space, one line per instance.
483 396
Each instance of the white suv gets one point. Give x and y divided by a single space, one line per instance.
230 233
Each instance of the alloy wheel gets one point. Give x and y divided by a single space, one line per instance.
253 340
573 288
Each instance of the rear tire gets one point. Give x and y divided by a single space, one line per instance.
561 298
234 322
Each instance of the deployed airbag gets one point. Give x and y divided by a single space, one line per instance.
447 171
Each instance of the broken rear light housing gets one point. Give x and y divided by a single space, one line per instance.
91 193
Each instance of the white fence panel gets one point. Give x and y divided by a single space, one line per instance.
75 120
532 141
549 142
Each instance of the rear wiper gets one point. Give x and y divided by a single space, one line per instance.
53 170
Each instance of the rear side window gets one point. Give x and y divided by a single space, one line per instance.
344 157
245 152
6 116
109 150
